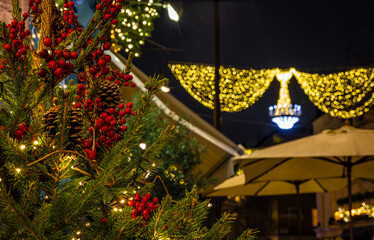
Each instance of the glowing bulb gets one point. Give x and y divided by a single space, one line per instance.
36 142
18 170
143 146
22 147
115 209
209 205
122 201
165 89
173 15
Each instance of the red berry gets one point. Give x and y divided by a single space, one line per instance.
108 119
92 70
61 63
104 115
155 200
127 77
102 138
108 142
133 85
121 106
7 47
58 53
133 113
122 121
103 220
129 105
74 55
122 113
99 6
91 155
114 21
130 203
107 58
99 52
108 16
51 64
124 128
47 42
113 123
111 111
23 51
14 23
128 110
106 46
78 105
59 40
98 100
125 84
67 55
105 70
98 125
71 4
105 128
58 72
101 62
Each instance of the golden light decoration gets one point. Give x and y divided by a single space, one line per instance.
345 94
364 210
240 88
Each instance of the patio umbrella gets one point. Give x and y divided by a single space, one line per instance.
237 186
346 152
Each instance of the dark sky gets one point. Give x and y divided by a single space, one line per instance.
314 36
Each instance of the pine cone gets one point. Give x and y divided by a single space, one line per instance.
76 124
110 95
50 121
59 25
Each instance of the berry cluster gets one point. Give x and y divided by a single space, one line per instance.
111 10
69 15
17 33
99 68
119 78
34 6
21 130
143 206
107 124
58 61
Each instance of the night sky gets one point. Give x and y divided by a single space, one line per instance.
312 36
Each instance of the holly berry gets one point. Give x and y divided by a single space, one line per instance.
51 64
7 47
58 72
67 55
106 46
101 62
107 58
42 72
43 53
108 16
128 110
114 21
104 115
121 106
129 104
91 155
99 7
71 4
124 128
122 113
74 55
111 111
133 85
155 200
103 220
78 105
47 41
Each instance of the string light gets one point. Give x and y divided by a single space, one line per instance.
36 142
18 170
22 147
143 145
239 88
345 94
364 210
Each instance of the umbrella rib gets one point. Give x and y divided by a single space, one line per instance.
255 161
364 159
319 184
268 170
331 161
262 187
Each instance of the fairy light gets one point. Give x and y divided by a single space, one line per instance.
345 94
165 89
22 147
143 145
36 142
18 170
122 201
364 210
239 88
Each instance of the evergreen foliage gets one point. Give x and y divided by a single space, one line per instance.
92 186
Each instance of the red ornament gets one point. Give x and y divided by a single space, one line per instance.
103 220
47 42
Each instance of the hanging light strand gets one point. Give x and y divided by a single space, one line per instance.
345 94
240 88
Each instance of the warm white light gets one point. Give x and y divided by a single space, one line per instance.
36 142
22 147
18 170
115 209
173 15
122 201
285 122
143 146
209 205
165 89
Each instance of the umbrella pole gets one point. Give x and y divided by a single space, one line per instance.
349 176
299 224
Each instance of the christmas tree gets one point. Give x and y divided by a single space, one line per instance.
70 162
